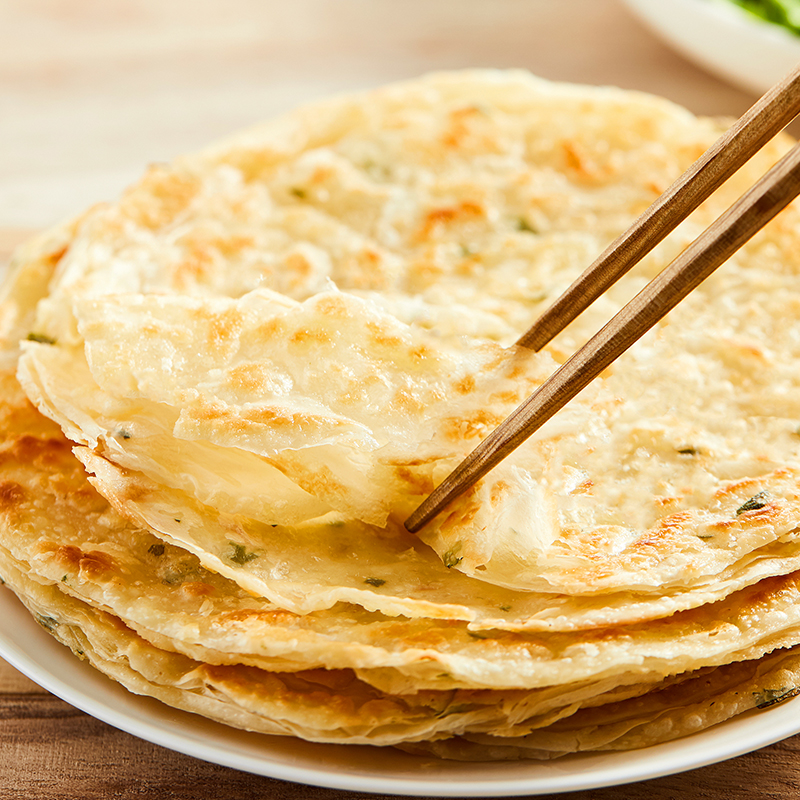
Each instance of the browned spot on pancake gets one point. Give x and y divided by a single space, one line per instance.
413 462
298 264
379 336
91 565
276 617
278 418
421 353
232 245
354 395
370 256
222 327
240 420
574 158
323 483
322 174
746 484
370 260
363 270
96 563
155 329
55 256
666 501
499 490
657 539
248 378
200 240
333 306
767 590
460 130
406 401
417 483
478 424
69 555
129 491
580 163
197 589
159 198
269 330
42 451
11 495
758 516
675 520
195 267
311 335
466 385
465 211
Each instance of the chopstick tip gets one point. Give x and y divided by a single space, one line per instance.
416 521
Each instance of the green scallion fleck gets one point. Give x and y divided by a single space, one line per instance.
523 225
753 504
41 338
771 697
451 558
240 555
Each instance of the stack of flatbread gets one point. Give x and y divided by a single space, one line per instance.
222 395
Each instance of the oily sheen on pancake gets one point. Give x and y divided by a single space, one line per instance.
223 394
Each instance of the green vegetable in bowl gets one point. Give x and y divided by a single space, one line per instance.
781 12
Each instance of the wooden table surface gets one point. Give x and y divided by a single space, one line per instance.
90 92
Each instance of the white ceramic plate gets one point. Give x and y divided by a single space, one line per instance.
723 38
34 652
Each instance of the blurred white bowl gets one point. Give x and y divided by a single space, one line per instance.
723 38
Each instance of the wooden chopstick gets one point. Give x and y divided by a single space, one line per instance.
773 112
713 247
